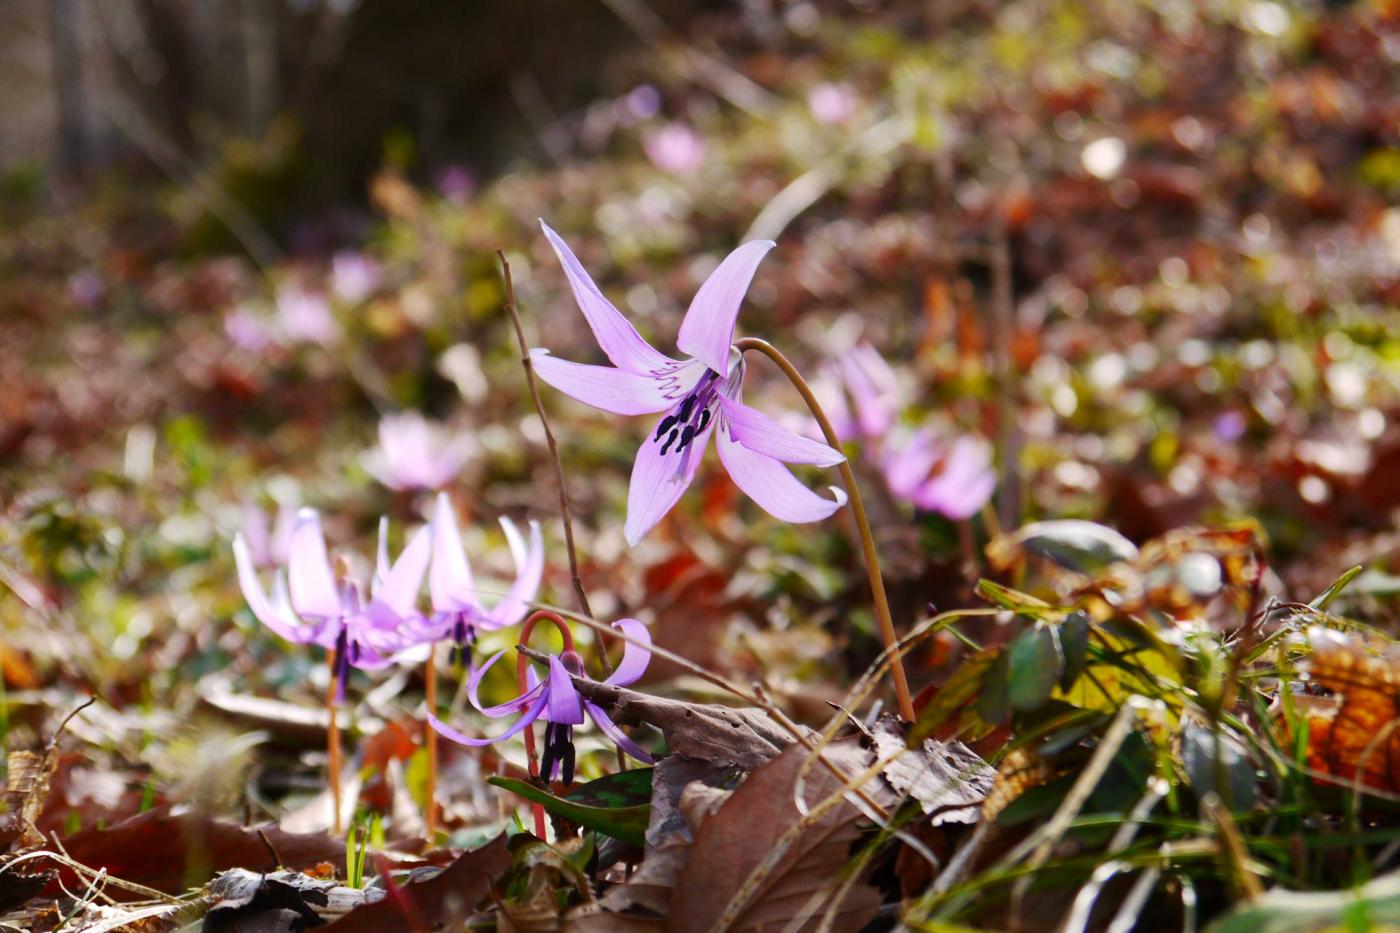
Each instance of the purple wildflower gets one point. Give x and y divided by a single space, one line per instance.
832 103
458 612
697 394
322 610
455 183
559 702
954 482
247 330
675 148
305 316
414 453
354 276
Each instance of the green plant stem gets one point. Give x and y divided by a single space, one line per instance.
867 540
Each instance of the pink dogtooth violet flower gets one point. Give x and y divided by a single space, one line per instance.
697 396
414 453
458 611
954 481
322 610
675 148
305 316
557 700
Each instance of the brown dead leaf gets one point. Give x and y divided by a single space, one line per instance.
758 863
1361 733
948 780
723 735
170 852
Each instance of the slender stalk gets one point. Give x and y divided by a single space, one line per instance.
521 660
430 743
564 512
867 540
333 741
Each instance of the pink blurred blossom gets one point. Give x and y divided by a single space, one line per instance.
305 316
247 330
675 148
354 276
455 183
832 103
414 453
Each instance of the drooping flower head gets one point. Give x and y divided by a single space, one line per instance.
414 453
555 699
319 608
954 480
875 399
458 609
698 395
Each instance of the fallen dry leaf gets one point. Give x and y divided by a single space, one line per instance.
1359 733
171 852
947 779
758 863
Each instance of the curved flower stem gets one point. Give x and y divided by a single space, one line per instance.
521 662
430 744
333 741
867 540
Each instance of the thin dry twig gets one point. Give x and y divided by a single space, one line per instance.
558 462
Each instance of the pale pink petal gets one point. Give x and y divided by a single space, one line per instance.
636 653
763 435
279 619
529 566
565 705
450 582
658 481
614 390
708 329
519 725
611 730
313 586
770 484
614 333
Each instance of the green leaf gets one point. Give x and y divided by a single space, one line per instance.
623 789
1336 588
1034 665
624 823
1074 642
1007 598
994 702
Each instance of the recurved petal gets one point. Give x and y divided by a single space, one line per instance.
565 705
529 565
659 481
399 588
309 569
520 724
908 465
450 583
762 435
277 618
615 390
708 329
614 333
504 709
772 486
636 653
611 730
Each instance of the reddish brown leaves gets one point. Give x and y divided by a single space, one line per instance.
759 862
446 899
1358 731
172 852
